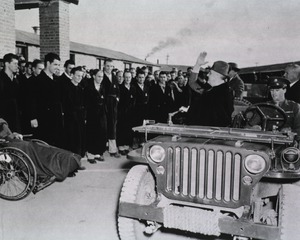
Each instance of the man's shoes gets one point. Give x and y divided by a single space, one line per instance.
99 158
82 168
122 152
92 160
116 155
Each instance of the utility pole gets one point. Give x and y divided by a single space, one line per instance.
168 58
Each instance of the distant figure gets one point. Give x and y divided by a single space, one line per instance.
292 73
120 77
235 82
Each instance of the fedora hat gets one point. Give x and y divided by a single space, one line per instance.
278 82
220 67
234 66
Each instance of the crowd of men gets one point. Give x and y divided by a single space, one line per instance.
87 111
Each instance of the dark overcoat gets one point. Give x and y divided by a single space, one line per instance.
96 119
125 115
213 108
160 103
74 118
141 104
112 95
293 93
49 110
9 109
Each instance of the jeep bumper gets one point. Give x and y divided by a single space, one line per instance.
198 221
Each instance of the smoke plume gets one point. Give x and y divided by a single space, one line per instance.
171 41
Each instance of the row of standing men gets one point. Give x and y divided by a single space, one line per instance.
84 114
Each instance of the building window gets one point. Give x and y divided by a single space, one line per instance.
127 65
72 56
98 64
21 51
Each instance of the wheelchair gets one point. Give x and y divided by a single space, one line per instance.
18 175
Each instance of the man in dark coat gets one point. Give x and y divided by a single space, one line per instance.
235 82
111 89
292 73
24 98
74 113
9 92
141 106
96 117
31 112
215 106
49 107
125 114
65 78
161 102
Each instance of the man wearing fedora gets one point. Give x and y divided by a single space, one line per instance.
278 87
235 82
215 106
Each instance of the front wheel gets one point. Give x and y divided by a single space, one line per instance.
290 212
139 188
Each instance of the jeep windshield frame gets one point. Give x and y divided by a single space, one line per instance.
221 133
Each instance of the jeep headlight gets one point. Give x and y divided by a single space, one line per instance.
255 164
157 153
290 155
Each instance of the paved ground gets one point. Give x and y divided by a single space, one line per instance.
83 207
80 208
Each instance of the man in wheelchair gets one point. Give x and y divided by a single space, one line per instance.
277 114
49 164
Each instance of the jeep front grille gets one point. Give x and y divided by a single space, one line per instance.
204 174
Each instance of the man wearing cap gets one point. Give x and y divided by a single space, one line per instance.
235 82
292 73
278 87
215 106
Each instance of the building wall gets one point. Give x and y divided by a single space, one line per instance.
7 27
82 59
54 28
33 53
89 61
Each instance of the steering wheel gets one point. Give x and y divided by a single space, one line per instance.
265 115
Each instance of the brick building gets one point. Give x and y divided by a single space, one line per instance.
28 45
54 36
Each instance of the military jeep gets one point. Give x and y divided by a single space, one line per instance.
211 181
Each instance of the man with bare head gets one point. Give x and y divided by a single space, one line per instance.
9 91
112 92
49 115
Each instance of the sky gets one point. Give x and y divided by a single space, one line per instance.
250 33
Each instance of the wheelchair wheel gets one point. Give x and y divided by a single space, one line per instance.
17 174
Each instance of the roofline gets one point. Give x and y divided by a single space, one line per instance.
21 4
117 59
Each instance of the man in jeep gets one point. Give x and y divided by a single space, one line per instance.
278 87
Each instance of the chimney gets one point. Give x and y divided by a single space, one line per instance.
157 61
36 29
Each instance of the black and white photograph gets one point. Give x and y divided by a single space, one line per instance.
149 120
